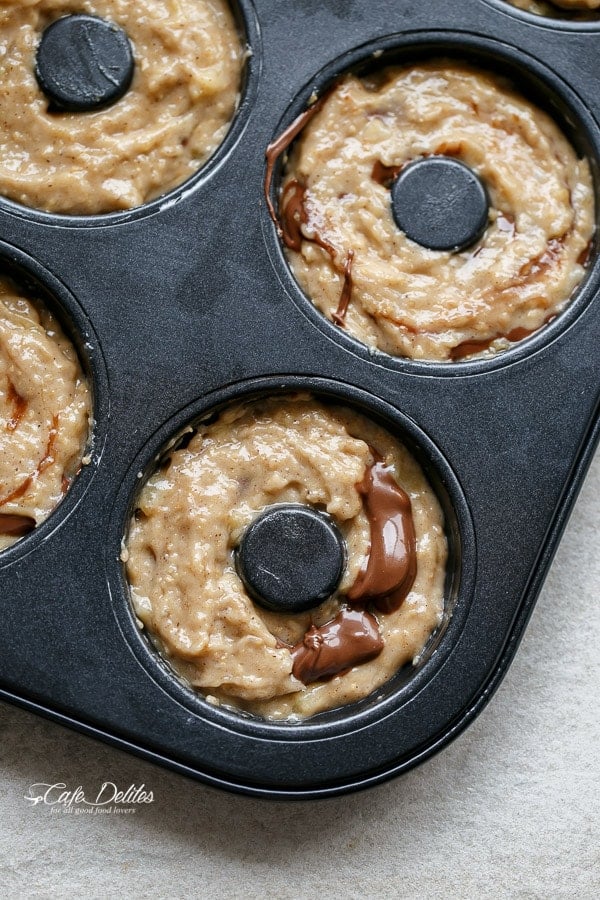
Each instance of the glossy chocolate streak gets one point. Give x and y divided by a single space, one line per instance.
18 492
281 144
19 406
48 458
16 525
339 316
449 148
293 212
530 270
293 216
584 257
383 174
392 564
348 640
46 461
468 348
544 261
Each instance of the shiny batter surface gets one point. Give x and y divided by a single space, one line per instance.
188 61
192 513
577 9
408 300
45 410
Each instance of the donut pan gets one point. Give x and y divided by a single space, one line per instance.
186 304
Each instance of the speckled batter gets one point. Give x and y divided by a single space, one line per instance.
583 10
408 300
192 513
188 61
45 409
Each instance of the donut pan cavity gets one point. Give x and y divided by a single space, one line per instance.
186 305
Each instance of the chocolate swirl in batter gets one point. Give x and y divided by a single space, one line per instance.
282 143
19 406
353 637
385 175
293 210
574 10
392 565
350 639
46 461
16 525
293 217
192 602
45 406
406 299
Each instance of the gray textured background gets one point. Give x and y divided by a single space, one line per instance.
511 809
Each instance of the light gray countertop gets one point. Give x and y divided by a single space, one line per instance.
511 809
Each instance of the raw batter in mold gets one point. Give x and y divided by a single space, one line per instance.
192 513
582 10
390 292
188 62
44 414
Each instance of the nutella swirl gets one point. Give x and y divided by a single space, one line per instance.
191 516
392 565
578 10
45 406
15 525
388 291
352 638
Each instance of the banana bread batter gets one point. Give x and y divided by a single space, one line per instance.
192 513
45 409
390 292
188 62
581 10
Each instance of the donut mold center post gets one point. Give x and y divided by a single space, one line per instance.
291 558
83 63
440 203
